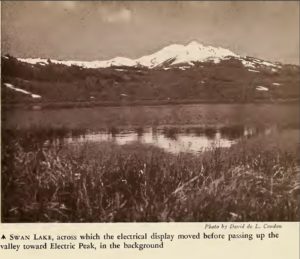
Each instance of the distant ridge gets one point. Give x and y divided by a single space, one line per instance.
174 54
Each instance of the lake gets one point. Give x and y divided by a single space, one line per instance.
175 128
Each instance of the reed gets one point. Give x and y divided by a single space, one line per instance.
255 180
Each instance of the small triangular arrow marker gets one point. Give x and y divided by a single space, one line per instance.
3 237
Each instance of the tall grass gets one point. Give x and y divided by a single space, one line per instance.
256 180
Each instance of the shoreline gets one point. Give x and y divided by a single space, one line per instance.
91 104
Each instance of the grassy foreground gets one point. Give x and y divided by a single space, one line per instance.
257 180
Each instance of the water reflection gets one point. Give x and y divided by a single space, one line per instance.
172 139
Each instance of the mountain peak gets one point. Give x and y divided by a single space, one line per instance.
177 53
170 55
194 44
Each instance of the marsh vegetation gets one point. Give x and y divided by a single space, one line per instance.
61 172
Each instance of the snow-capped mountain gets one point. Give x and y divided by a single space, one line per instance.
175 73
179 54
171 55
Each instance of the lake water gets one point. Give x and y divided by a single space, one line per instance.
174 140
177 128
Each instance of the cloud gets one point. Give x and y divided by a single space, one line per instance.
115 16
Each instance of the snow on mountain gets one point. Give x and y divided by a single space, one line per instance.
118 61
33 61
174 54
262 88
255 63
177 54
10 86
276 84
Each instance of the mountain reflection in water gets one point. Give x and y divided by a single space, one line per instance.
172 139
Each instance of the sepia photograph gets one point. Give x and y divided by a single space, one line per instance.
150 111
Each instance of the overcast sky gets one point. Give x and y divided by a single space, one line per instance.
102 30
